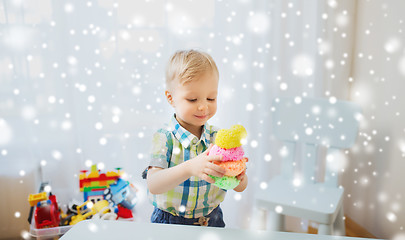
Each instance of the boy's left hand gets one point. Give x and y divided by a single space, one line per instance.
243 182
241 176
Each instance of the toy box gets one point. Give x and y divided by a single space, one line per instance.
47 233
106 196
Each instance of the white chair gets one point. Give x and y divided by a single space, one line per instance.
303 125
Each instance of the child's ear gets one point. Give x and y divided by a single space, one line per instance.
169 97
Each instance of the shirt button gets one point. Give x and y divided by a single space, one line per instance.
194 141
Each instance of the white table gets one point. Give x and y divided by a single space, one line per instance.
114 230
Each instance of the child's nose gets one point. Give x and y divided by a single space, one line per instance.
202 107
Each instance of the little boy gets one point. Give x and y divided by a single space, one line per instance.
178 176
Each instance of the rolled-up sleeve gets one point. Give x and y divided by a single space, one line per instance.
160 153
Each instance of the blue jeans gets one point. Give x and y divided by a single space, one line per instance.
215 218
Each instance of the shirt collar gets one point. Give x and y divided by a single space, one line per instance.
185 137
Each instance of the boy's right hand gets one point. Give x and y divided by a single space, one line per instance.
202 166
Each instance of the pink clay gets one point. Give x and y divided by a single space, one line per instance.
231 154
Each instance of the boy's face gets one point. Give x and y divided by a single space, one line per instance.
194 102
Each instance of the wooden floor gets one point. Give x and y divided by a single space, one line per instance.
352 230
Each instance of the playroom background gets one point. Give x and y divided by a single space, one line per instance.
82 85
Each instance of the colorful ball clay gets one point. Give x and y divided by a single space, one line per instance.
233 168
231 154
226 182
228 143
230 138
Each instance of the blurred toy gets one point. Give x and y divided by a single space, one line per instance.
85 212
123 212
121 192
228 144
94 184
70 212
72 206
106 213
95 187
47 213
33 199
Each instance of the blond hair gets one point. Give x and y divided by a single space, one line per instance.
185 65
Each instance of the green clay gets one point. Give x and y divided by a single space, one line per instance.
226 182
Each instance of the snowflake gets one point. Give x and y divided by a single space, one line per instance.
392 45
258 22
302 65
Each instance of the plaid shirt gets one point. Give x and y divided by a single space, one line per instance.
194 197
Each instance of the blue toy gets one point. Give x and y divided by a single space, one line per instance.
122 192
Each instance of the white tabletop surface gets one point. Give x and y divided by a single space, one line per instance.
114 230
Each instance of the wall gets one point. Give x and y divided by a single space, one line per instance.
82 82
374 179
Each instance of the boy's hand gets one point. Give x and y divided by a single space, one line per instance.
241 176
202 166
243 182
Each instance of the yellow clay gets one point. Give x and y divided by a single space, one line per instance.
230 138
